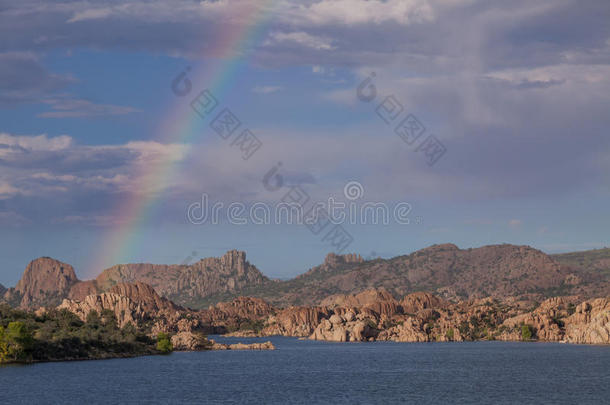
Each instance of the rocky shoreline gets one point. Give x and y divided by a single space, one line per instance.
375 315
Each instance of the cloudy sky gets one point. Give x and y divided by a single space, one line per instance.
99 142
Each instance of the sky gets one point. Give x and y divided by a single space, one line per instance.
103 154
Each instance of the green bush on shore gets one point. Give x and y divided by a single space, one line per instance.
526 332
15 342
164 344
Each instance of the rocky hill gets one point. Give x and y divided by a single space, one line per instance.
453 273
591 265
596 259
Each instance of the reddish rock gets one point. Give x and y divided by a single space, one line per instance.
204 278
81 289
45 281
295 321
229 315
146 296
124 308
590 323
413 303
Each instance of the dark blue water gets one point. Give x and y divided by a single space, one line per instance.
321 372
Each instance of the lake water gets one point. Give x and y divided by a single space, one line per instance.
322 372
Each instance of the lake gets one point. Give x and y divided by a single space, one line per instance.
301 371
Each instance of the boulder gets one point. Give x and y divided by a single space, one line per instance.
189 341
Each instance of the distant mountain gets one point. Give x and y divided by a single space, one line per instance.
595 261
592 269
2 290
446 270
452 273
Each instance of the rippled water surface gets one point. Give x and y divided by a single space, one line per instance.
321 372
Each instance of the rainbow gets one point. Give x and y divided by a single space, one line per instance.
233 48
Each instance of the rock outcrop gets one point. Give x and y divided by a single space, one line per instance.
590 323
334 260
145 296
373 301
125 310
230 316
134 303
242 346
546 321
188 284
81 289
189 341
294 321
413 303
350 327
45 281
368 297
409 330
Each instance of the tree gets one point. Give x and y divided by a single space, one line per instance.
3 346
93 318
164 344
15 342
526 332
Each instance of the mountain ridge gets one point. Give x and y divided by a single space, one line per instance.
444 269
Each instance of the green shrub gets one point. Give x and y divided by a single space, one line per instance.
164 344
256 326
526 332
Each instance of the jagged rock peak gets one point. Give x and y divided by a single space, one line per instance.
333 259
233 259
